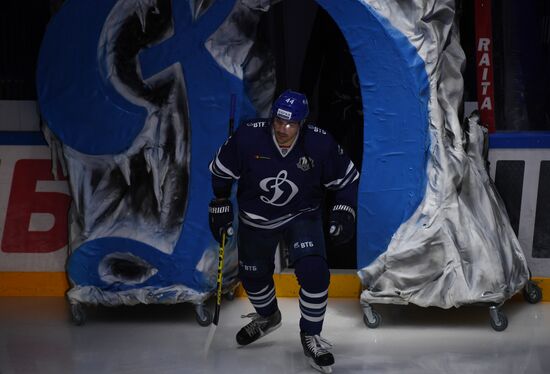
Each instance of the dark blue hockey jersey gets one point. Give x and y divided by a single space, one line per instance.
274 188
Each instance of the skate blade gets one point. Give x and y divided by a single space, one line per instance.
262 334
322 369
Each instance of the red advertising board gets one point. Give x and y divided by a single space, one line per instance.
33 206
484 63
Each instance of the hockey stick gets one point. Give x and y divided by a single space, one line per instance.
232 114
216 318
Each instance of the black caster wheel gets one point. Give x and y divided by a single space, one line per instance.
203 317
500 323
230 295
532 293
374 322
78 314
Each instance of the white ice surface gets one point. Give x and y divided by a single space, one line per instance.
36 336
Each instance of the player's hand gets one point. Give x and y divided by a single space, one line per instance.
220 218
341 224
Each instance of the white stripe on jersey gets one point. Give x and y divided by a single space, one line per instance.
216 167
215 172
342 182
255 216
274 223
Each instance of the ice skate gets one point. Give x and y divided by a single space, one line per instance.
260 326
316 350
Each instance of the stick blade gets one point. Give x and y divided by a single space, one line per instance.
209 339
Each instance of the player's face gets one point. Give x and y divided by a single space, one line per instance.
285 131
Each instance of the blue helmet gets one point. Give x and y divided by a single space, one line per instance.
290 106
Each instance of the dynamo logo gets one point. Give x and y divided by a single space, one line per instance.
280 196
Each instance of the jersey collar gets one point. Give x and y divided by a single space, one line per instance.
289 149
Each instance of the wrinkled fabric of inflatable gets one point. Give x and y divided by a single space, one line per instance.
432 229
137 97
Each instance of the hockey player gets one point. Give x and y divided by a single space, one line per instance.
283 167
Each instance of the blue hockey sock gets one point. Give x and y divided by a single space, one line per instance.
261 295
314 277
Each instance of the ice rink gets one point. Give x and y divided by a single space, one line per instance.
37 336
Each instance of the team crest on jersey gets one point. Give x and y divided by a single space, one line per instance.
305 163
282 189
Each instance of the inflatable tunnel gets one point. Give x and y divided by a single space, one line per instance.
137 98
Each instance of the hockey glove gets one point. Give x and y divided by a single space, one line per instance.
220 218
341 224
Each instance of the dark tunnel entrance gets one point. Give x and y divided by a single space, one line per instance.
312 56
